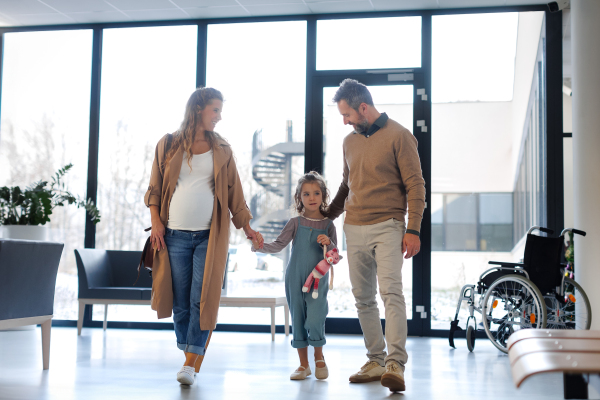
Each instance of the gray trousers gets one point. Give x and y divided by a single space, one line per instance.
375 252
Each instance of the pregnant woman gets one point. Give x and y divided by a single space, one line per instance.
194 187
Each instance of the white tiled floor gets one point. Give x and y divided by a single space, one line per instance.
141 364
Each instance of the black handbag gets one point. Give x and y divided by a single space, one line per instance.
147 258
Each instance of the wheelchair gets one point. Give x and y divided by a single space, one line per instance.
535 294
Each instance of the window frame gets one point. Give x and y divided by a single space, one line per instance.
314 143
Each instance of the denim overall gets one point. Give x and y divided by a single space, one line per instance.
308 314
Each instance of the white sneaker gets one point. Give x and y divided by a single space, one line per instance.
186 375
300 374
393 378
369 372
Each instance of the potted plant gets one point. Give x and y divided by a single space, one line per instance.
24 212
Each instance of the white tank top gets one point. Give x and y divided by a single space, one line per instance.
193 200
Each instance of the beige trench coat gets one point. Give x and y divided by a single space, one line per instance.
229 197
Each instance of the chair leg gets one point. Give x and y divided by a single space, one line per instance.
105 324
80 319
46 327
272 323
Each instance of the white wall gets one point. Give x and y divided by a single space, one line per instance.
585 34
528 37
567 113
568 161
471 147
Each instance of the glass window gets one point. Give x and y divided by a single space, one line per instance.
495 208
148 75
461 222
262 76
483 147
474 57
390 43
437 221
45 124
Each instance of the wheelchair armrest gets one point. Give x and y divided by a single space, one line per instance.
507 264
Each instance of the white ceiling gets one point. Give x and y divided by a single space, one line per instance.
53 12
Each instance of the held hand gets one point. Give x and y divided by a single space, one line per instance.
323 240
157 235
256 237
258 243
411 244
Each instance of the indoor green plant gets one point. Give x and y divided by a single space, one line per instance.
34 205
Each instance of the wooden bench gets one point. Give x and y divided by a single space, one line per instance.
575 353
226 301
261 302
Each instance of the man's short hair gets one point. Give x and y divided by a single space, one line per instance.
354 92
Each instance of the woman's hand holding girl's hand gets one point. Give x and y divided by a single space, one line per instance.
157 235
259 242
256 237
323 240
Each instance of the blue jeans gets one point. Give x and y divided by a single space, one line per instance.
187 255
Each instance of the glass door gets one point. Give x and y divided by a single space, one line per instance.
400 101
488 183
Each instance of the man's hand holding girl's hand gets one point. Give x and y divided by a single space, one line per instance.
323 240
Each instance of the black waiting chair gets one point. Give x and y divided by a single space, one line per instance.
108 277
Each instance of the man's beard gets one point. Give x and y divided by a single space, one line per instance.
362 126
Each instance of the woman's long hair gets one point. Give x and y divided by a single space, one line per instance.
186 134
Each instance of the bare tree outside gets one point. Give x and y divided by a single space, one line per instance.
34 155
121 198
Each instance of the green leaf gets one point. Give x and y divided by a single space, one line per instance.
34 205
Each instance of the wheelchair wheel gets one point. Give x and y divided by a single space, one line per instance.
470 338
573 311
511 303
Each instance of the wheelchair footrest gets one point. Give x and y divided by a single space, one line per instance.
453 328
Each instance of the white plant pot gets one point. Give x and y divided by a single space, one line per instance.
24 232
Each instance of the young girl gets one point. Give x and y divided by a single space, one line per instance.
308 233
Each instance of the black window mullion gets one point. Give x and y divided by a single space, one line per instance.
424 283
201 54
94 137
313 138
554 122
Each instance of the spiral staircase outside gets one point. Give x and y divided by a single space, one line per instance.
272 170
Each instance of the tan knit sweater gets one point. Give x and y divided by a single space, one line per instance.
382 178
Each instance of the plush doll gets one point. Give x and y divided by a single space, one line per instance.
330 258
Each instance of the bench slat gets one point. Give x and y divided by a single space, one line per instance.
537 363
527 346
252 301
551 333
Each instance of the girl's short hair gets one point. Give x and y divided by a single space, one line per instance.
311 177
